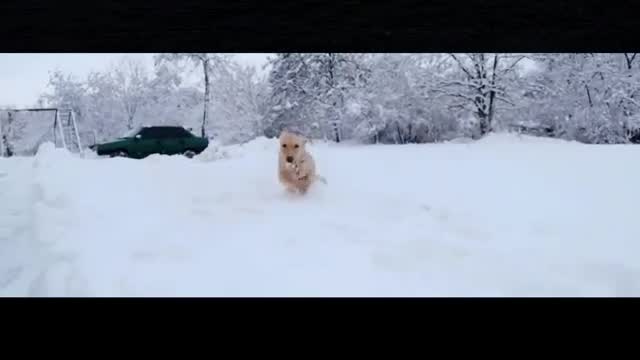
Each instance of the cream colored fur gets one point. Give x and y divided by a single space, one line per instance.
300 174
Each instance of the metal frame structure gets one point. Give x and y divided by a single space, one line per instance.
56 124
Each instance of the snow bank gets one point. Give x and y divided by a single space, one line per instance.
215 151
48 153
512 138
460 140
259 144
263 144
508 216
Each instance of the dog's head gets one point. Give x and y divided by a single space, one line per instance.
292 146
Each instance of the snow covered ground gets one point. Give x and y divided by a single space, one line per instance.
505 216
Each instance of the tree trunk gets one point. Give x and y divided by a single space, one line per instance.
399 131
205 67
629 60
484 125
6 145
336 131
492 95
588 95
333 100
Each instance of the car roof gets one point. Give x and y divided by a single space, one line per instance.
163 126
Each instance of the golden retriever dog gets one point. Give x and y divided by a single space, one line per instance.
296 166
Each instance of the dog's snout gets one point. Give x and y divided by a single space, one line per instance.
289 158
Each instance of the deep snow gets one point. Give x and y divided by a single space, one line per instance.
505 216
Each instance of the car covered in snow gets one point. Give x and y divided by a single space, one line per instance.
147 140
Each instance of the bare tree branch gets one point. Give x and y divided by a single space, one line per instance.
513 65
461 66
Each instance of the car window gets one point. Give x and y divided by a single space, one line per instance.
161 133
147 133
132 132
171 133
182 133
175 132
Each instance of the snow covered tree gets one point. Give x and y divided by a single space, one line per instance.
587 97
332 77
132 87
480 84
166 80
288 101
389 100
104 111
171 101
395 106
209 63
66 90
110 102
238 100
310 92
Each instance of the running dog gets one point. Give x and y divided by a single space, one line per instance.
296 166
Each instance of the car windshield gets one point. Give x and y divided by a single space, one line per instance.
132 132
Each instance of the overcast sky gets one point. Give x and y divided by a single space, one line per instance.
23 77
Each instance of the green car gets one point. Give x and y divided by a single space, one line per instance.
144 141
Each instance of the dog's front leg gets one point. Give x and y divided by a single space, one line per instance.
294 168
300 174
292 189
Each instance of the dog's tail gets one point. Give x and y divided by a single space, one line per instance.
321 179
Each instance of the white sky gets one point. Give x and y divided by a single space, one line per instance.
24 77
